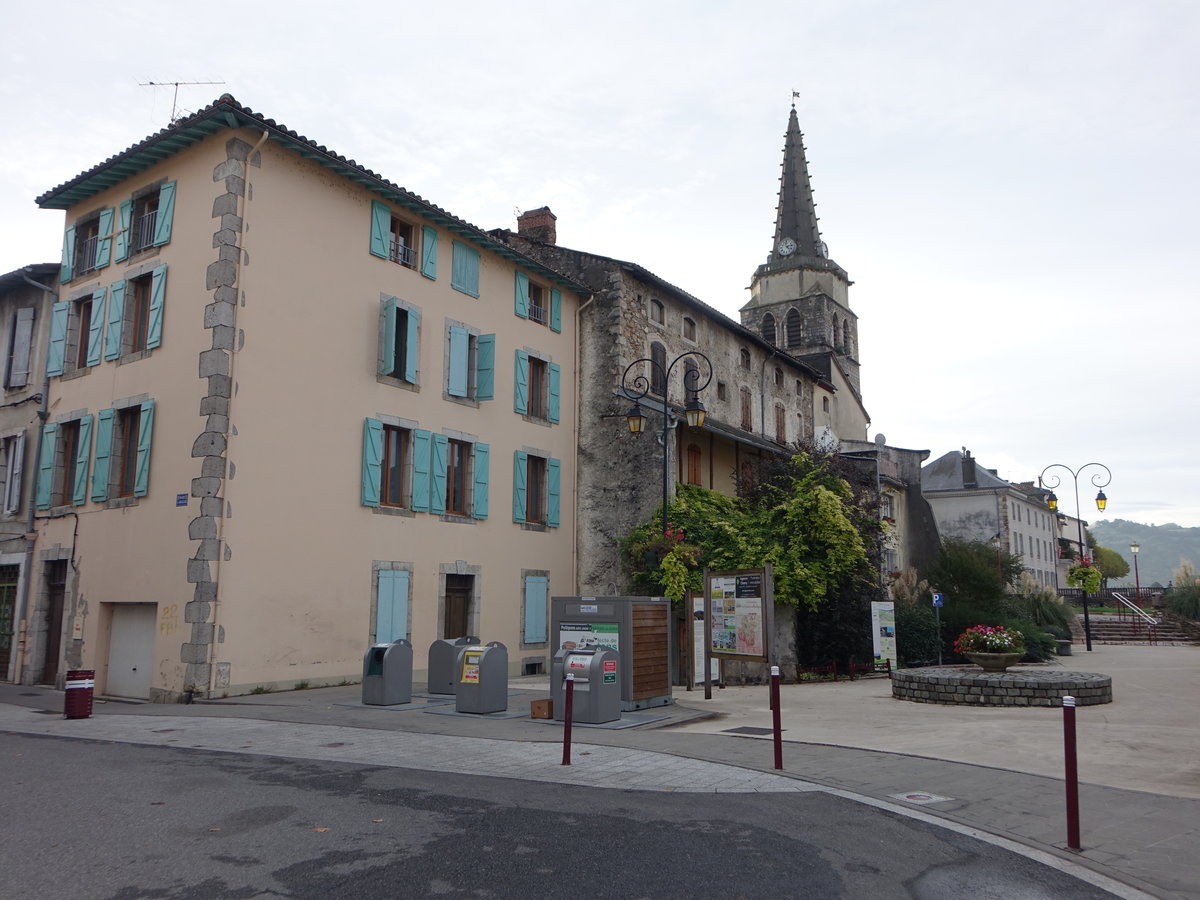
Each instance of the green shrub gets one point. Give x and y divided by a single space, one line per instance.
917 636
1184 601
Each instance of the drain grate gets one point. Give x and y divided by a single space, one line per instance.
750 729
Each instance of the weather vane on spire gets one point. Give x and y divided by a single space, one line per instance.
795 94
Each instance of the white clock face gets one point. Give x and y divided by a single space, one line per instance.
787 247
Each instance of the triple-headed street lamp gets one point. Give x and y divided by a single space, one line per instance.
1101 502
659 383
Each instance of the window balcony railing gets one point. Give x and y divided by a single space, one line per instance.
402 253
85 254
537 314
142 233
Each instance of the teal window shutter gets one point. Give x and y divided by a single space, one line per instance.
56 352
536 591
555 388
372 461
391 606
555 309
521 295
79 490
479 496
166 212
460 342
381 228
96 327
45 484
116 317
520 465
552 492
412 345
141 475
485 367
437 475
429 244
387 352
521 383
68 260
104 242
420 478
103 454
158 297
465 269
124 220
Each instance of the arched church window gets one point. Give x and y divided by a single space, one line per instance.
793 329
834 335
768 328
846 336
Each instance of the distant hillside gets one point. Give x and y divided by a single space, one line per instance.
1163 546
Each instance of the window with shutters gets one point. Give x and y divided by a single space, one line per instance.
658 369
20 348
658 313
689 329
535 495
397 443
391 593
535 606
744 358
536 488
12 467
402 248
399 342
464 276
87 243
126 325
124 445
539 383
537 388
76 333
80 328
137 315
780 424
64 463
747 410
402 242
537 302
417 471
121 460
458 484
470 364
144 220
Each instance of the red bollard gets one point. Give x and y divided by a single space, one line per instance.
1072 773
775 717
77 700
568 714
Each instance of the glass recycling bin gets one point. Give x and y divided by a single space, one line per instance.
482 673
387 674
443 656
596 698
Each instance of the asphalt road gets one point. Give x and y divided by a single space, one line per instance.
83 819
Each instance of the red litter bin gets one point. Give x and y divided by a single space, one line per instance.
77 703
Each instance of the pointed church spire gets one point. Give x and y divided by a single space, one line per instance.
796 231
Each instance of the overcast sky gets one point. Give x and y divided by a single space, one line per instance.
1012 186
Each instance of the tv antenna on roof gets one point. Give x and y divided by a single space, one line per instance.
175 96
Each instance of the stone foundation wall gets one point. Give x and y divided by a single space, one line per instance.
1021 687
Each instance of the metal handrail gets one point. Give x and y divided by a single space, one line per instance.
1132 607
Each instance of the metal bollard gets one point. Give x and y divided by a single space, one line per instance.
775 720
568 714
1072 772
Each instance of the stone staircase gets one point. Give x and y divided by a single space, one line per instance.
1127 630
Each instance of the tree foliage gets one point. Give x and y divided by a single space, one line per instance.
1110 563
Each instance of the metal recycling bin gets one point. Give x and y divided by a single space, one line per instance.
80 686
596 698
387 674
482 679
443 660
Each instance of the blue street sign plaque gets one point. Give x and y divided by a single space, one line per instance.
937 599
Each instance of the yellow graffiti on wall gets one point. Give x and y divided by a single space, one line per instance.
168 619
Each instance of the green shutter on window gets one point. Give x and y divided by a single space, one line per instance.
521 295
96 327
158 297
45 483
372 461
520 464
83 453
104 241
116 318
460 342
552 492
387 348
124 219
103 454
391 606
437 475
412 345
479 496
555 387
141 475
485 367
464 275
56 352
420 477
521 383
429 245
67 269
555 309
166 212
536 591
381 228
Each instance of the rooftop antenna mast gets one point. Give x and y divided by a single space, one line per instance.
175 96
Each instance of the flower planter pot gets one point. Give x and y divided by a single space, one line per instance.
994 662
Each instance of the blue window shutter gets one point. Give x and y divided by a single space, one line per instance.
521 383
83 453
429 252
521 295
124 220
68 260
437 489
536 589
465 269
485 367
420 478
116 317
552 492
104 242
479 496
555 309
387 352
166 212
555 388
391 606
381 228
412 345
460 342
158 297
103 454
96 327
56 353
45 484
141 476
520 463
372 461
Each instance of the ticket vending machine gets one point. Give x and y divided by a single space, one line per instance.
597 693
482 678
443 656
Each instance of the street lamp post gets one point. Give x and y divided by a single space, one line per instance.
637 387
1101 502
1137 578
999 571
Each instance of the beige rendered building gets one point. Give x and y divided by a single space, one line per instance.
294 410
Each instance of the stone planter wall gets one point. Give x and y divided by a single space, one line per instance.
968 686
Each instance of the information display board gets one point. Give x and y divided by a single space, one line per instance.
883 630
739 615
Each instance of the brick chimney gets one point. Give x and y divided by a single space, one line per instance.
968 469
538 225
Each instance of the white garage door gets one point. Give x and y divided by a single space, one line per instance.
131 650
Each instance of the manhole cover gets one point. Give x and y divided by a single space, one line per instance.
750 729
921 798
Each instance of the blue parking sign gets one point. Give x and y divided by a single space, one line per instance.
937 599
